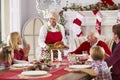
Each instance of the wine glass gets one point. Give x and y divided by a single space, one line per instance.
84 57
71 59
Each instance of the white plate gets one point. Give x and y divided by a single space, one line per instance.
2 68
80 66
34 73
22 65
79 55
90 60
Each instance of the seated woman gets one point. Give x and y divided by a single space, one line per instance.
19 53
6 56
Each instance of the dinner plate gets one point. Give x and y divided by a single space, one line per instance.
90 60
2 68
22 65
79 55
79 66
34 73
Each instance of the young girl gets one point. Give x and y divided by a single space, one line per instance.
99 65
6 56
19 53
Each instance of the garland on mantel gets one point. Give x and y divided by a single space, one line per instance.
98 6
104 5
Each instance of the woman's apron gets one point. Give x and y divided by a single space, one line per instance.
53 37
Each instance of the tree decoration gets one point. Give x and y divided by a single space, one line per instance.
62 20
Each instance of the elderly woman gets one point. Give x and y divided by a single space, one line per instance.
92 41
51 32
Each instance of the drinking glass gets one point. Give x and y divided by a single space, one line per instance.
71 59
84 57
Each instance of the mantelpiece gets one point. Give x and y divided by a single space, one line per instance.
109 17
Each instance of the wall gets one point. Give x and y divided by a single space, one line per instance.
28 10
24 11
5 18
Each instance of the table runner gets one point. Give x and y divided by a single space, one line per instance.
14 74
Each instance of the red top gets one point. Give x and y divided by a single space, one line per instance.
53 37
85 46
19 55
114 61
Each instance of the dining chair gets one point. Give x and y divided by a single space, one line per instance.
30 33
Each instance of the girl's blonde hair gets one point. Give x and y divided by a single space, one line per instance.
6 54
97 53
13 40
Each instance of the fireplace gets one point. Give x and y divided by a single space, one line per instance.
109 19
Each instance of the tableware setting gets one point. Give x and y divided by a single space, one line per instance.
79 66
77 59
22 65
35 69
34 74
90 60
2 67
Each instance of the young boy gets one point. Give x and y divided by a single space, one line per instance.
99 65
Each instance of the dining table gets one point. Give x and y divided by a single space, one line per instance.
58 73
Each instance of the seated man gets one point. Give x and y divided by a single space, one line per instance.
92 41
